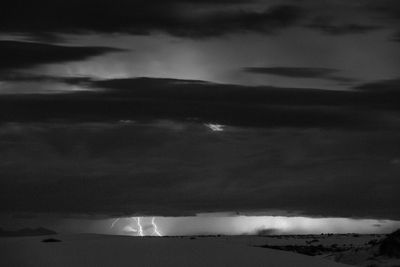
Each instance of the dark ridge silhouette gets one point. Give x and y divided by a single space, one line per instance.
390 246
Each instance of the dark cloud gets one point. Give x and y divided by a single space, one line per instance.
144 145
151 98
293 71
328 26
245 96
19 55
45 18
267 22
297 72
18 77
387 10
391 87
167 167
396 37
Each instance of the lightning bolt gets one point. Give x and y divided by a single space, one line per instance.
140 227
114 222
155 228
215 127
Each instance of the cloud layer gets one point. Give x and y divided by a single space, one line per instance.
186 100
44 19
172 168
23 55
314 116
179 18
300 72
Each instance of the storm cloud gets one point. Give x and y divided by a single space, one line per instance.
187 100
396 37
184 107
326 25
45 18
172 168
300 72
21 55
382 87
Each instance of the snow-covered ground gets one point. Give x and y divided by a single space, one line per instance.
353 249
101 250
341 240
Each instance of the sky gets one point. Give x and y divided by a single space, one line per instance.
171 108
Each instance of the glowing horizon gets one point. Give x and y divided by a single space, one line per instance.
246 225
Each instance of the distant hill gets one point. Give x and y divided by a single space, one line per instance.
27 232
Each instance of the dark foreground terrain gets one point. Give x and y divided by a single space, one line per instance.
353 249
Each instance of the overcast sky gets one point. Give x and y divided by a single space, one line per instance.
181 107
